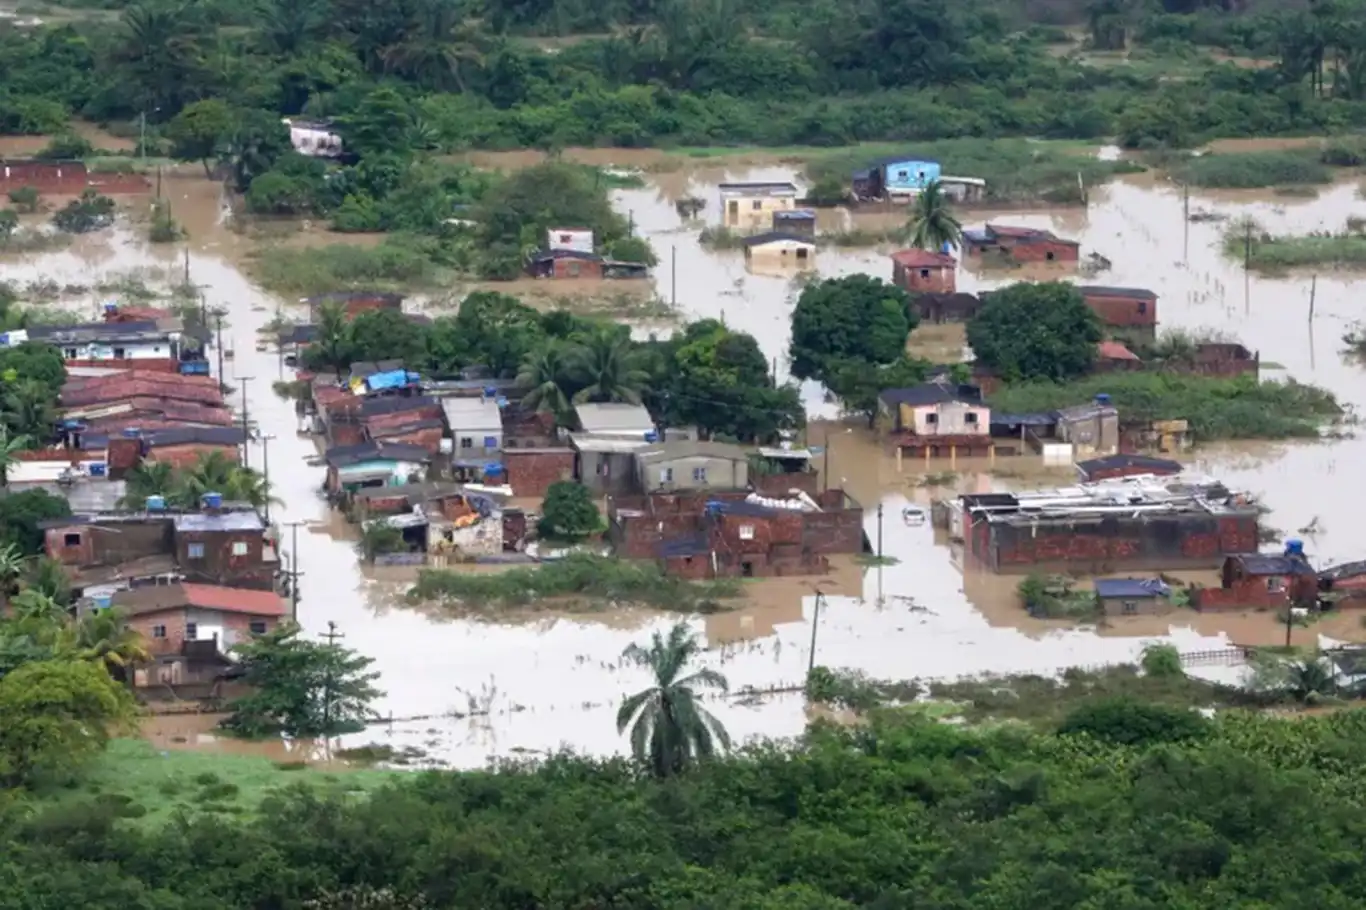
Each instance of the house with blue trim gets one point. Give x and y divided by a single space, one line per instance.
899 175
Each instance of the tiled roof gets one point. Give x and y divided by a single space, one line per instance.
1113 350
923 259
158 598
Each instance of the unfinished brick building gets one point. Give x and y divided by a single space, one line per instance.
718 534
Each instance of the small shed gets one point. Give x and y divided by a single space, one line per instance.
565 264
797 222
1092 429
921 271
1132 596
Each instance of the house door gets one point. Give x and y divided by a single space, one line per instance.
747 569
733 209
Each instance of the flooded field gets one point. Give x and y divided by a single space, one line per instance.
465 691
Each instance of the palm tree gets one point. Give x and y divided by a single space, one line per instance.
103 636
161 47
333 347
12 564
214 472
436 45
29 407
149 478
669 729
1310 679
34 610
932 223
609 368
542 375
48 577
9 446
285 26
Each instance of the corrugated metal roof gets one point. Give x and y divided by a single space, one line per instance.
223 521
614 418
472 414
1131 587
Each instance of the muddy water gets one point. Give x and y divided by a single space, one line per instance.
471 690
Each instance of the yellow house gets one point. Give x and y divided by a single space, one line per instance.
779 250
750 206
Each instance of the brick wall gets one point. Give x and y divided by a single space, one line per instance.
530 472
925 280
174 621
219 565
1044 251
1123 311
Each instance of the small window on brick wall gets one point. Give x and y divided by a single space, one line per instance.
195 551
239 548
158 631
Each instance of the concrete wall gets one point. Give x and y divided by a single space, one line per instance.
951 418
925 280
92 545
753 213
681 474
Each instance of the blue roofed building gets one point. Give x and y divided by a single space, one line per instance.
1133 596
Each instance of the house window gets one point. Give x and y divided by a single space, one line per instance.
239 548
120 353
71 540
191 631
1049 256
195 551
70 353
699 475
1130 607
1142 307
258 627
466 442
666 475
746 532
924 273
158 631
757 205
932 419
902 175
1275 584
970 417
801 253
573 269
490 442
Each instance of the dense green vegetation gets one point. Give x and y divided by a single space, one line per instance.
705 375
1241 408
1259 249
589 582
1251 170
1035 331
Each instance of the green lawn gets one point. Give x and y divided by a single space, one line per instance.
152 785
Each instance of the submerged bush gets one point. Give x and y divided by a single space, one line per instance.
1253 170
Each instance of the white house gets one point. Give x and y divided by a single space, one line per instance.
108 341
314 138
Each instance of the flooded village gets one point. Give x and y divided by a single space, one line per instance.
376 471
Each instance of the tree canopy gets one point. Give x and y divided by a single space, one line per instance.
1036 331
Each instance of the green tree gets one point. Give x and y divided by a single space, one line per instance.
22 513
9 223
932 223
857 318
1036 331
91 212
333 349
30 410
203 132
301 688
438 45
670 730
104 638
1130 722
259 141
386 335
58 714
569 512
12 566
499 329
608 368
543 375
719 381
10 447
214 472
147 478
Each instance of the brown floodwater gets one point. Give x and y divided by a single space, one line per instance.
465 690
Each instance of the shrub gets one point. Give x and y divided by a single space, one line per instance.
1253 170
569 512
1129 722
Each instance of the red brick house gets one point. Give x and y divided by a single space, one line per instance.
1021 244
188 627
1346 581
221 547
1260 581
530 472
353 303
1132 310
565 264
923 271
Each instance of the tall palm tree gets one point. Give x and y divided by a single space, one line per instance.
932 223
9 447
1310 679
214 472
161 48
437 44
543 374
286 26
148 478
609 368
669 729
333 347
48 577
29 408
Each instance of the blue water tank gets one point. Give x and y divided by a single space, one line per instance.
156 503
492 469
98 469
1103 399
1294 548
946 247
490 391
111 307
213 500
502 401
131 433
652 436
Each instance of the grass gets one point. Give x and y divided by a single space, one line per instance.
1016 170
143 784
1254 170
1239 408
1270 252
582 581
398 263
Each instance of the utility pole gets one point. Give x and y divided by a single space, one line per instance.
219 344
294 573
1186 221
264 439
1313 291
673 277
142 136
815 626
245 437
879 530
331 636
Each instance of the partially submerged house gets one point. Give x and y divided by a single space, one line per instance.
895 177
375 463
1109 467
315 138
577 264
780 248
750 206
936 307
1130 311
1133 596
1021 244
1092 429
936 418
1262 581
796 222
151 345
924 271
